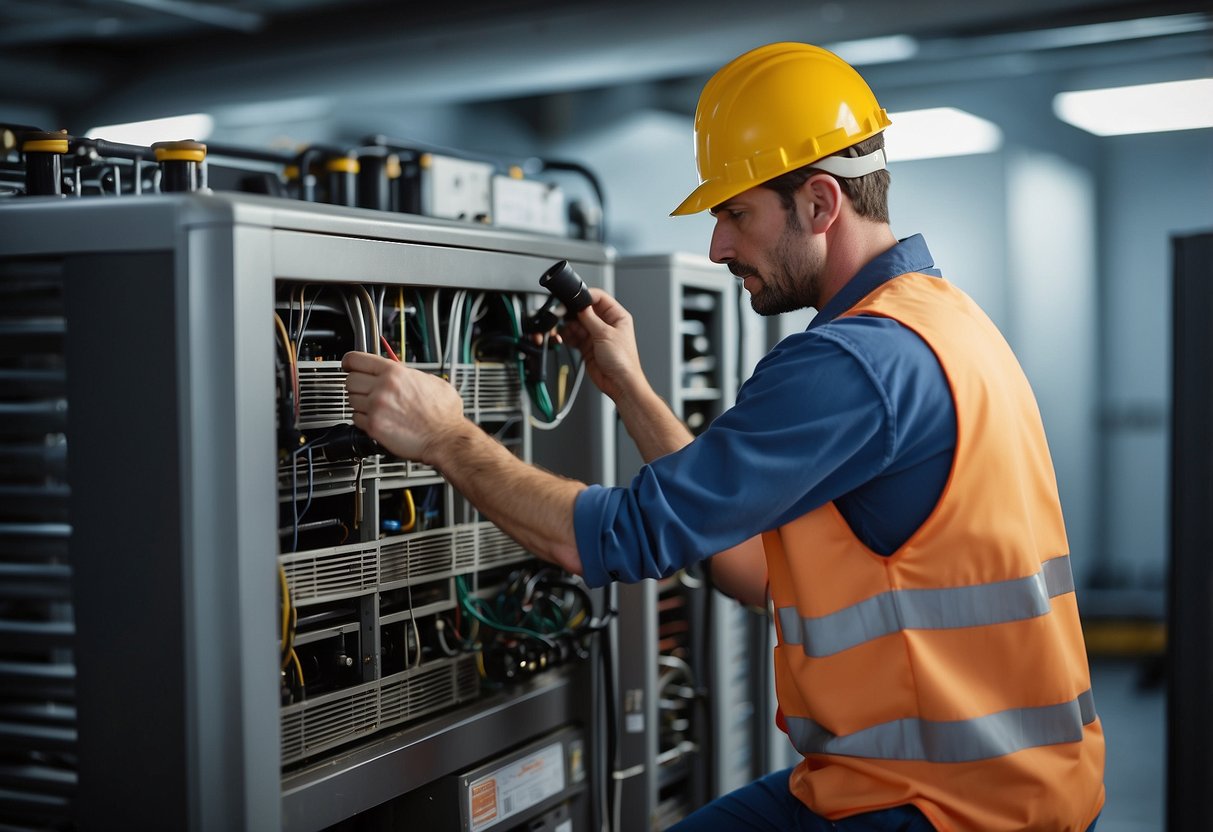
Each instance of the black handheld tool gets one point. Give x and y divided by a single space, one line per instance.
567 287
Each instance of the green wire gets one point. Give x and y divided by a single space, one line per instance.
467 601
539 392
509 308
544 401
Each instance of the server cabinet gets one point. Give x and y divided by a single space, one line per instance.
143 540
1189 622
690 680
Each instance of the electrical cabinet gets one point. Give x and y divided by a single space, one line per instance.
220 614
692 677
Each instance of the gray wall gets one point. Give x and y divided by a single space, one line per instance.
1153 186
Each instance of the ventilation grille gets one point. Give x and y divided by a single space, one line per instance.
329 574
375 566
497 548
37 673
489 390
337 477
322 397
328 721
416 557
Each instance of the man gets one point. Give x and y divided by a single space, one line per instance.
930 666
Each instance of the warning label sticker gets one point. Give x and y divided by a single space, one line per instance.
516 787
484 803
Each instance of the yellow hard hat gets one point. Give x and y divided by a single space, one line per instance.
777 108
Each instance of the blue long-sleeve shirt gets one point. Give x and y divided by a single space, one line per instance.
853 410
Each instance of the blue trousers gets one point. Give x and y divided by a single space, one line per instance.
768 805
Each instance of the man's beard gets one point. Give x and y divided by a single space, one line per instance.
793 280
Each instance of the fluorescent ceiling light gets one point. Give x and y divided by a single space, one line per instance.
1143 108
196 126
870 51
940 131
1088 34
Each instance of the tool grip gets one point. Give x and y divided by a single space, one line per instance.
567 287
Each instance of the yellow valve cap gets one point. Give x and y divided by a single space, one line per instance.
772 110
44 142
342 164
182 151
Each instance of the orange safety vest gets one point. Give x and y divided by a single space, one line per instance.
951 674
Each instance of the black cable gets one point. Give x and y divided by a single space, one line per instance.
605 650
708 750
595 185
298 515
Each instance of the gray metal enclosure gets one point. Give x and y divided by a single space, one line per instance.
693 677
148 690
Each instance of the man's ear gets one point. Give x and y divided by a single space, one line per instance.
820 202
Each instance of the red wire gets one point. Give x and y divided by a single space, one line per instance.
390 352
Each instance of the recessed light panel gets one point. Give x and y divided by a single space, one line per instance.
1143 108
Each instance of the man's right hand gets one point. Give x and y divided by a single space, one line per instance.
603 333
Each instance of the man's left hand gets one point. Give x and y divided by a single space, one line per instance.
404 410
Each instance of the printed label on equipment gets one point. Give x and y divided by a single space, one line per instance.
516 787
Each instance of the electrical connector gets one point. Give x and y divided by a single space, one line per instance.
342 443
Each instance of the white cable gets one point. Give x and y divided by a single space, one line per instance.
568 405
416 630
477 303
435 330
440 629
454 324
355 322
371 319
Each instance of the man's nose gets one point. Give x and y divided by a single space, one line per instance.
721 248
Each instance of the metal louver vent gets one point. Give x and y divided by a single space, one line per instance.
37 673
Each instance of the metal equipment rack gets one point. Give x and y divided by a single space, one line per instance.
147 691
692 676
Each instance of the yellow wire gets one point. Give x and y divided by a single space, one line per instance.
291 359
290 640
286 605
408 501
298 666
480 664
562 385
577 619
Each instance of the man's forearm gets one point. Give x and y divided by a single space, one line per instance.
651 424
531 505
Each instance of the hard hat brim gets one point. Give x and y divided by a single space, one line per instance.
708 195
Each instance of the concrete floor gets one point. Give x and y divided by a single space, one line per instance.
1131 702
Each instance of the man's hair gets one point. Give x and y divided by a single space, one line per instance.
869 194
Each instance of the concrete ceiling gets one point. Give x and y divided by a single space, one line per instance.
99 61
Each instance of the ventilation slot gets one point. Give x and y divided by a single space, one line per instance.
37 674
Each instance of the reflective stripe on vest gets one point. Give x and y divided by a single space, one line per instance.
928 609
982 738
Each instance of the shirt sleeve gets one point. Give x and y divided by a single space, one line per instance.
811 424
